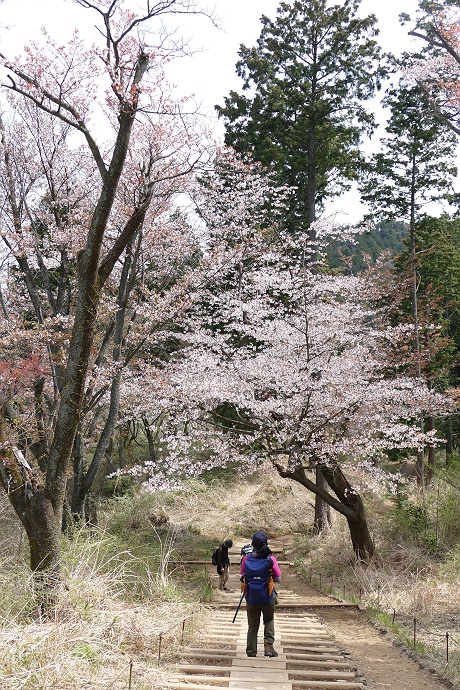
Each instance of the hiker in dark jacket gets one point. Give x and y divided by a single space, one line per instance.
265 598
223 563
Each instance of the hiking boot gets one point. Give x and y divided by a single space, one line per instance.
269 650
251 653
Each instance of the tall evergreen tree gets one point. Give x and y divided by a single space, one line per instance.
301 113
438 267
415 167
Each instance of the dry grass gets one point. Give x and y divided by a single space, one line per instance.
111 613
404 581
240 507
117 602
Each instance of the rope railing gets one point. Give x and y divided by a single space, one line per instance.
326 585
160 640
128 669
168 630
176 625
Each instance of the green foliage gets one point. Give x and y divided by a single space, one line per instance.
438 268
403 634
450 569
198 580
416 164
414 523
221 474
446 501
86 651
356 257
302 113
117 486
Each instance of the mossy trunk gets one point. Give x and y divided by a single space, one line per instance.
43 529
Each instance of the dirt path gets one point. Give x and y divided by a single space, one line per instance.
382 664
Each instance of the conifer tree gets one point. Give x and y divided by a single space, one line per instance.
414 168
301 112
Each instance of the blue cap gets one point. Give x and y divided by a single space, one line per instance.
259 539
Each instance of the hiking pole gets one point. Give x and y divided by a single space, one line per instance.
238 607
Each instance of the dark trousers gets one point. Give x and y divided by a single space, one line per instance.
268 613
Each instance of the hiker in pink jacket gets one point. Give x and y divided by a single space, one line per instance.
258 571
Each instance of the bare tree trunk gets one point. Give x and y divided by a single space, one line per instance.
450 440
420 464
431 454
348 503
43 528
122 441
35 509
77 503
322 519
363 545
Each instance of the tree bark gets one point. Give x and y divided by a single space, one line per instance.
35 509
431 454
322 509
450 440
363 544
43 530
348 503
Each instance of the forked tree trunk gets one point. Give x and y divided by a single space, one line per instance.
361 539
348 503
40 508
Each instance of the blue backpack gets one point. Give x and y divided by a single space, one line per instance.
259 581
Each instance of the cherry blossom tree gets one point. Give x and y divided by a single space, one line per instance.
436 68
307 385
292 366
283 364
149 298
150 145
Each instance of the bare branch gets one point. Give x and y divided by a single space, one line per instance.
76 122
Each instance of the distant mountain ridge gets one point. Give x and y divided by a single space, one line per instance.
384 237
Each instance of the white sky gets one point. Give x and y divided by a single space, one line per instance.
210 73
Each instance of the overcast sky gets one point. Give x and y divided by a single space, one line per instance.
210 73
